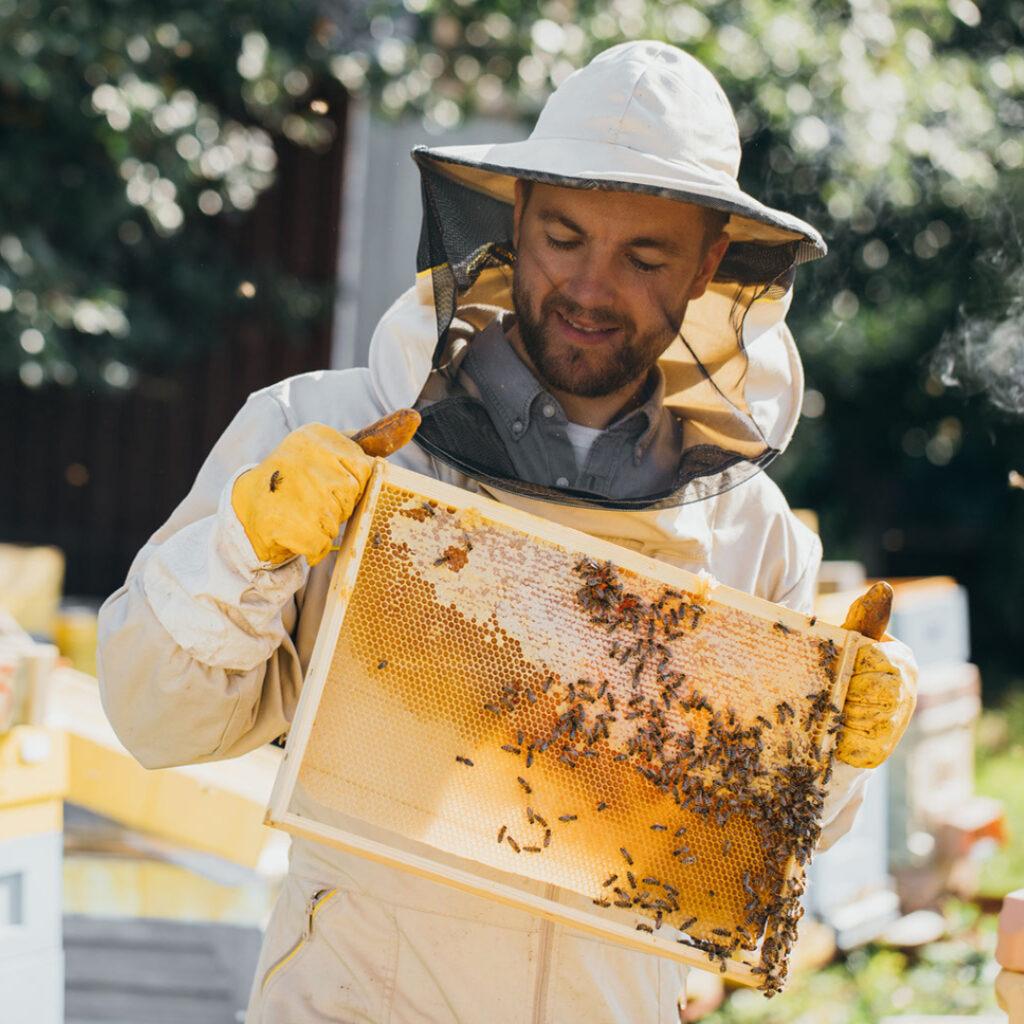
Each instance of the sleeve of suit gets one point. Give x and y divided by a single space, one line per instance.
196 660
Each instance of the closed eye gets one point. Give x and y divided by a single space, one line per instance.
645 268
557 243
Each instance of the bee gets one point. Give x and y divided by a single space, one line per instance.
567 817
688 923
441 560
531 696
529 755
601 806
547 837
626 855
659 828
464 760
631 878
608 881
508 748
519 737
376 541
526 786
601 903
782 628
764 721
493 708
501 834
625 904
540 821
651 881
724 932
812 620
383 663
275 480
645 928
529 815
726 847
531 849
547 683
428 508
513 843
680 831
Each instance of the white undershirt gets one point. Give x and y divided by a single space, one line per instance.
582 440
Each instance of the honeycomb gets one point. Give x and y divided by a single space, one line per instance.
523 704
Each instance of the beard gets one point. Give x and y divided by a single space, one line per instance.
589 373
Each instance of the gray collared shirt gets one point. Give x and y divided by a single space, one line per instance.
635 456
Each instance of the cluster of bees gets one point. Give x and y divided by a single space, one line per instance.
714 766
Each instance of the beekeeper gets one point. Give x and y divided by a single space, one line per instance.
597 335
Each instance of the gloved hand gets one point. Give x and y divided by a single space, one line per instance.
883 685
294 501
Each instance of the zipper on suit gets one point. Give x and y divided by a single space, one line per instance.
313 906
540 991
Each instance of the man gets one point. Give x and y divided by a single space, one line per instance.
584 342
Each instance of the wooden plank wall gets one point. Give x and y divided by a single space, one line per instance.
141 449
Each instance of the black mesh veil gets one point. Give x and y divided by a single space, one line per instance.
465 232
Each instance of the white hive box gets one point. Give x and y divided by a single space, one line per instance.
496 700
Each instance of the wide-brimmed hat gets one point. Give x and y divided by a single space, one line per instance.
642 116
648 118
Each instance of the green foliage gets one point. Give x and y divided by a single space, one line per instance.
129 127
127 130
954 976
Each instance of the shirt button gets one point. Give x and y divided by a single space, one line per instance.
562 481
548 410
517 427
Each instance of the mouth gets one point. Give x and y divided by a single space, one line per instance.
582 333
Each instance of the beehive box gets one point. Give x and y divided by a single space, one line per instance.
495 700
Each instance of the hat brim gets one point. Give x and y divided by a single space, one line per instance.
492 170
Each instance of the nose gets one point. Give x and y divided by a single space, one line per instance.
591 285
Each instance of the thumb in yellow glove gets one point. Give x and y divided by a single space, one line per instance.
882 692
294 501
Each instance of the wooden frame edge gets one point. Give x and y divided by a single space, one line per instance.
296 825
335 606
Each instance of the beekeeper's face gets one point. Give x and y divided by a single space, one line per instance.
602 280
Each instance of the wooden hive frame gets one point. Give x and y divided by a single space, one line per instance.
434 838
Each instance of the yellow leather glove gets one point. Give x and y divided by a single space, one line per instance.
294 501
883 685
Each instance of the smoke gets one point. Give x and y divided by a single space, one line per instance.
985 354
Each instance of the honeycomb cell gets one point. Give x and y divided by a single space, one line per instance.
657 751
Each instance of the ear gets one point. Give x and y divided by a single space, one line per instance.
709 266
